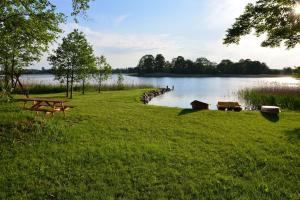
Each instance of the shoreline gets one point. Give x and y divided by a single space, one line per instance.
162 75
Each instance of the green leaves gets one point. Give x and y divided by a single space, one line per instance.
103 71
73 60
26 29
79 7
274 18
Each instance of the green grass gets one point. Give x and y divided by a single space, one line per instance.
285 97
110 146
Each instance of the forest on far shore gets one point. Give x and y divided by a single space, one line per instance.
149 64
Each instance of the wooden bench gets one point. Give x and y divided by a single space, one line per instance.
229 106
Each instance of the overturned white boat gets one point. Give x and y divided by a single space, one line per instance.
270 110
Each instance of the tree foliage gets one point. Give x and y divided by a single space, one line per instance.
73 60
275 18
103 71
26 30
31 8
160 62
146 64
201 65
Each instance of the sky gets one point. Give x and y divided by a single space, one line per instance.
126 30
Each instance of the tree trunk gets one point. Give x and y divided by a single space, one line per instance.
12 71
21 86
72 79
6 73
67 92
99 86
83 86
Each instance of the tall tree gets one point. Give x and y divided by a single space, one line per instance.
275 18
26 29
146 64
73 60
103 71
62 64
297 72
159 63
225 66
24 37
178 64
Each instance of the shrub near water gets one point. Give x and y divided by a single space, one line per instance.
286 97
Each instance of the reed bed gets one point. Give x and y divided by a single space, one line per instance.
286 97
39 88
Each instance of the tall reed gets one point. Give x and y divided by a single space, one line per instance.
38 88
286 97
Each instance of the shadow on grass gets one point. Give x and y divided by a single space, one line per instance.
270 117
293 135
187 111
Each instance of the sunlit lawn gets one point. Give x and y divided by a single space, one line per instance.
110 146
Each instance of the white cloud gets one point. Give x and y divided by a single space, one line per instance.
121 19
124 50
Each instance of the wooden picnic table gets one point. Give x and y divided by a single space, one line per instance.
46 105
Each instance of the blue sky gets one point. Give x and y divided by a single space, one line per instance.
125 30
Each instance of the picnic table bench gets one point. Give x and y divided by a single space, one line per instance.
48 106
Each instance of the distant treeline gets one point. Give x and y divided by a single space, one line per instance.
34 71
150 64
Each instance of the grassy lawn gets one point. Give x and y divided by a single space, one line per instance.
110 146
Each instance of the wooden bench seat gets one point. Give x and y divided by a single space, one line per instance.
229 106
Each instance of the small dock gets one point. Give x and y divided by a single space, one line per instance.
148 96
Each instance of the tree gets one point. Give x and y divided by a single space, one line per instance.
73 60
225 66
178 64
87 64
190 67
275 18
61 64
103 71
120 80
24 37
297 72
146 64
159 63
203 65
14 8
26 29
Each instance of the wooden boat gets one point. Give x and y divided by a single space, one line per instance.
198 105
270 110
229 106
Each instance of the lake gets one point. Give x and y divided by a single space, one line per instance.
210 89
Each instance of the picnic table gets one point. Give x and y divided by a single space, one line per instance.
48 106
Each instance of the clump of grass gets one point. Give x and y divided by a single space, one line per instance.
286 97
39 88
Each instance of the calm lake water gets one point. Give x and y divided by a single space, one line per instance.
210 90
